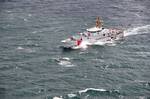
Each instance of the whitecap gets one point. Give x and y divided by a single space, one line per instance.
71 95
66 58
88 89
16 67
29 15
64 61
20 48
25 20
28 50
57 97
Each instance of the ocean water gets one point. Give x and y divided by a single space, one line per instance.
33 66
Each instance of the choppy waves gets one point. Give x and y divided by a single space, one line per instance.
33 67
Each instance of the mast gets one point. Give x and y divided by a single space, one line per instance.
98 22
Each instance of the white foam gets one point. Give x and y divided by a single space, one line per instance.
29 15
99 43
16 67
25 20
57 98
66 58
140 81
20 48
34 32
65 61
83 45
109 43
72 95
28 50
94 89
137 30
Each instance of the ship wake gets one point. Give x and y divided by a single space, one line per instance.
137 30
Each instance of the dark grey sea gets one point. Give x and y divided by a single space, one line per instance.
33 66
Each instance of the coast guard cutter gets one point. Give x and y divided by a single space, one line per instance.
97 35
